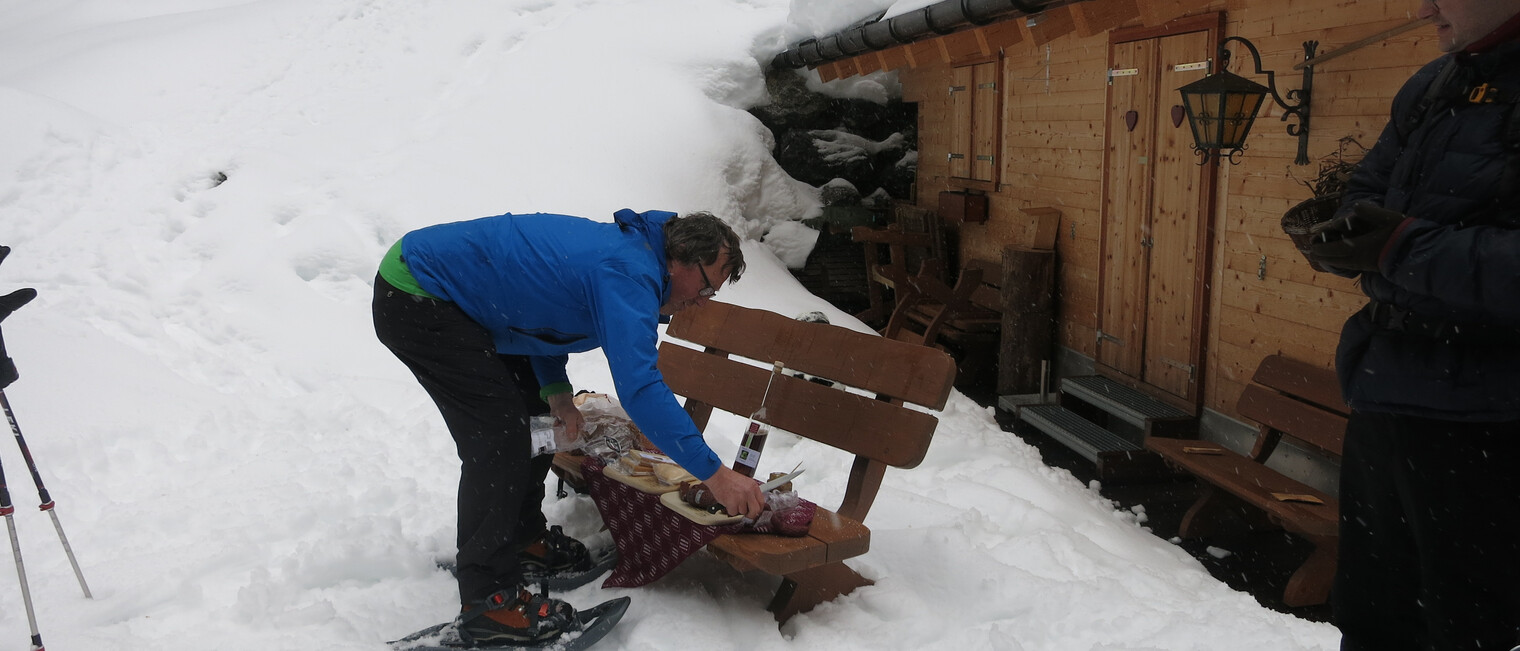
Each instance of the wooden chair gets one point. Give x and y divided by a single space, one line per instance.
931 311
891 273
913 238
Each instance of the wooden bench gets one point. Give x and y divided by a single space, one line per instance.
876 427
1289 399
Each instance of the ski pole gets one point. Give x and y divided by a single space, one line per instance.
7 510
42 494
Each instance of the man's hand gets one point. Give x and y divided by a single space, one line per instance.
1355 242
738 494
562 408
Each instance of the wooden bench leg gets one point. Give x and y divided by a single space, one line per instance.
1310 585
801 591
1206 516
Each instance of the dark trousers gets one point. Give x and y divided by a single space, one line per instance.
1430 535
486 400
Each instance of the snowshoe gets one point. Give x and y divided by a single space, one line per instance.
559 562
563 563
584 629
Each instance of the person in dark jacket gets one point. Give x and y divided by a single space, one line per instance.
1430 497
485 314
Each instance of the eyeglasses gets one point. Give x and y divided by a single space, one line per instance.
708 291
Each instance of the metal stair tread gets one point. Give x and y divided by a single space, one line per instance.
1128 404
1077 433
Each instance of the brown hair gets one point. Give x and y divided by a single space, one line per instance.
698 237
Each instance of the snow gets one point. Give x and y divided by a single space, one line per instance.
840 147
904 6
200 190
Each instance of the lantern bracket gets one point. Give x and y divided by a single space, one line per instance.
1300 97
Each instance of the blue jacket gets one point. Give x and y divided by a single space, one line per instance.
546 286
1457 259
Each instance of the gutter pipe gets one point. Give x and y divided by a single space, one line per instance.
934 20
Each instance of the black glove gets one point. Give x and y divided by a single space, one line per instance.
1354 242
10 303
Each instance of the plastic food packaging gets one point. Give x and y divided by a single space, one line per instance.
609 434
550 436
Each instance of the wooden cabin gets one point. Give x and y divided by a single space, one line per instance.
1172 277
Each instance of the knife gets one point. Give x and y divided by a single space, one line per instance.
772 484
766 487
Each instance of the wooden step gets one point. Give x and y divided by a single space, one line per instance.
1129 405
1116 458
1075 432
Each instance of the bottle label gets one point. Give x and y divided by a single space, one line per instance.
748 457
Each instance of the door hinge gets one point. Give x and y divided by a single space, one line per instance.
954 156
1179 365
956 89
1104 336
1121 72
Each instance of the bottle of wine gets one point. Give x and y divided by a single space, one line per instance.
749 449
754 439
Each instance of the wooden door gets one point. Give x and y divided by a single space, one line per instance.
1178 226
1157 209
1126 206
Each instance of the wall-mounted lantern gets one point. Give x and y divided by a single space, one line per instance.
1221 107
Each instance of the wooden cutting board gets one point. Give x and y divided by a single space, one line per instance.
672 501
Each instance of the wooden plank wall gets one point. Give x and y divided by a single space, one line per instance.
1052 155
1294 310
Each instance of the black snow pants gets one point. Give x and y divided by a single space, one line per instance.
486 400
1430 535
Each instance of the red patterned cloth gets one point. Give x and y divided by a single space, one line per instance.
652 540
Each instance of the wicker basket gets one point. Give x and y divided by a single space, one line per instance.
1301 218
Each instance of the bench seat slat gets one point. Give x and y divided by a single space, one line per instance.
831 538
1254 483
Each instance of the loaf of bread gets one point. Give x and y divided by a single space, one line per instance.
635 465
669 474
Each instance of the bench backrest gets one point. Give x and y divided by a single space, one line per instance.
876 428
1291 398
